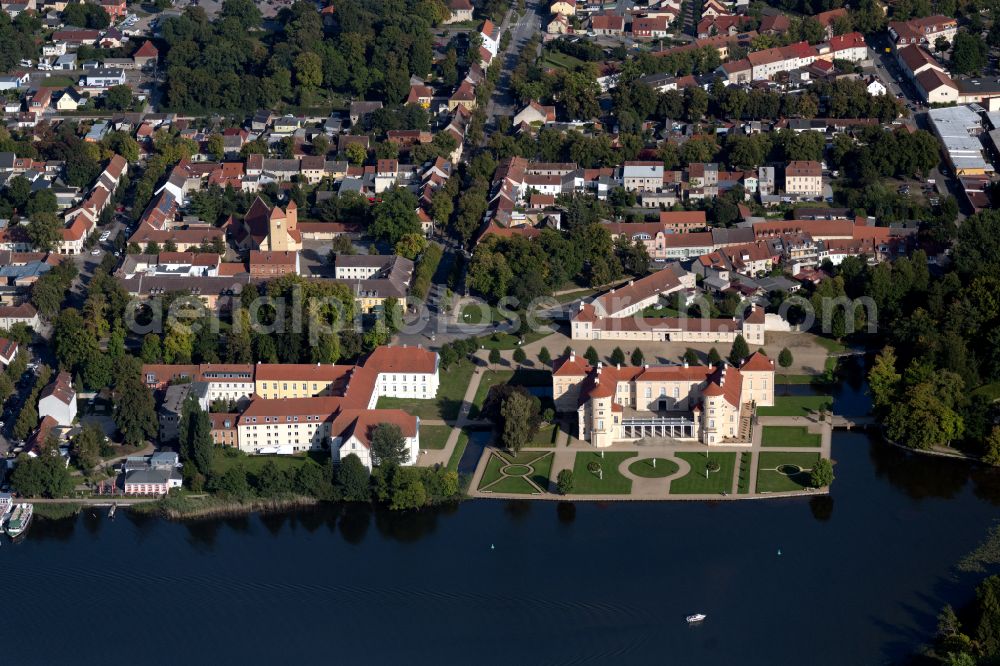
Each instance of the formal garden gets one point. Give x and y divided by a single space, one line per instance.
711 473
524 473
596 473
781 471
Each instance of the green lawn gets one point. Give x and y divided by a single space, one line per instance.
659 310
506 341
796 405
612 482
991 391
434 436
456 455
545 438
789 436
518 377
517 485
653 468
780 379
221 463
490 379
769 479
832 346
694 482
743 482
492 473
480 313
533 465
59 81
451 392
570 296
560 60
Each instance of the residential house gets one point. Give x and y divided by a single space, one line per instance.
146 55
19 314
925 30
224 430
464 96
459 11
828 18
563 8
535 113
155 474
651 27
374 278
273 264
874 86
103 78
115 9
639 176
804 177
559 25
68 100
936 87
8 351
58 400
490 34
386 175
607 24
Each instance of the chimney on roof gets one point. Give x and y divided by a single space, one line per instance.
572 355
618 366
685 364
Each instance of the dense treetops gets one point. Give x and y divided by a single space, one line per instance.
370 51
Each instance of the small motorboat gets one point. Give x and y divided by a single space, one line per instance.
697 617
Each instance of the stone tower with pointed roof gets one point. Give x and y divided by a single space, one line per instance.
269 229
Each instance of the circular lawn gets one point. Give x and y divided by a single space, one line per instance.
646 470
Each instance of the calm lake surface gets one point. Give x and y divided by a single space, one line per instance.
860 579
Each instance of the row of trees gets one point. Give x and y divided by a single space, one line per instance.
389 482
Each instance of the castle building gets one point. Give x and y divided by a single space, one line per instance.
712 405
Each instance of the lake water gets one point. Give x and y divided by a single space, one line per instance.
860 578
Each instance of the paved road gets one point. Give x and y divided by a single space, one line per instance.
502 102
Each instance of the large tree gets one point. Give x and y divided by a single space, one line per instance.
352 480
388 445
520 417
969 54
195 436
135 409
44 230
395 216
740 350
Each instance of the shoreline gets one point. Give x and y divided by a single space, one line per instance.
219 508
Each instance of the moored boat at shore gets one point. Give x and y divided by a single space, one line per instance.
19 520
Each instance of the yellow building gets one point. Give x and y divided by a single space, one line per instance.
563 8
